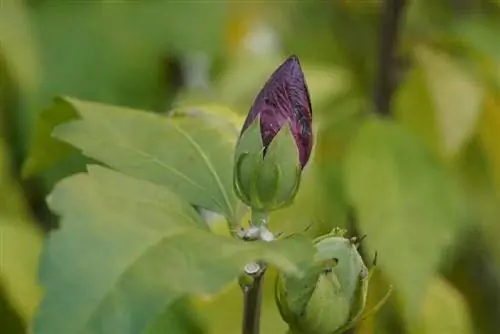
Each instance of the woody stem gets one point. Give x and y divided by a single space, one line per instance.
252 301
252 291
392 16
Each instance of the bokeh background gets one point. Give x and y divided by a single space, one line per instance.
444 263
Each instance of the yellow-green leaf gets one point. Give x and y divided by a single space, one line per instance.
444 310
456 94
405 202
128 248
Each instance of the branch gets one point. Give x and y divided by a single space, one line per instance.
392 11
251 281
252 299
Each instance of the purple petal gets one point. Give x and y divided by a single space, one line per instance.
285 98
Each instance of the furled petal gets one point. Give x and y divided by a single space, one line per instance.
285 98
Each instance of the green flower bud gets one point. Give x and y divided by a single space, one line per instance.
331 297
267 181
276 140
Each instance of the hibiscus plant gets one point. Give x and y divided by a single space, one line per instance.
132 245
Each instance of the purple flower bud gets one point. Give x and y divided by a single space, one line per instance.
285 98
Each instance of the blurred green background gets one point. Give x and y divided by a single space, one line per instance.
425 189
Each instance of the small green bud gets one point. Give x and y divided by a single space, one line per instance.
331 297
266 178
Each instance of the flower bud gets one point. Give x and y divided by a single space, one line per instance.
331 297
276 141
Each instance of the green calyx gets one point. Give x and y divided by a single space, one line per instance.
271 181
331 297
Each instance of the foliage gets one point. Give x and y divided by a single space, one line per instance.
133 254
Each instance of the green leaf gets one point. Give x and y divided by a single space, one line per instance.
45 151
414 108
129 248
188 155
406 203
17 44
218 114
489 136
19 51
456 95
20 246
478 37
243 78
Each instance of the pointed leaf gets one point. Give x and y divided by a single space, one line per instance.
186 154
45 151
456 95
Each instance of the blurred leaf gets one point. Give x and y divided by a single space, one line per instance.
18 45
478 37
12 203
444 310
489 135
489 138
46 151
406 204
20 246
479 34
100 51
113 53
325 83
190 156
346 33
21 243
414 108
243 78
148 248
456 97
303 24
471 265
20 50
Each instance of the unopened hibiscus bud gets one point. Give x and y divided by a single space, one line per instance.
276 141
331 297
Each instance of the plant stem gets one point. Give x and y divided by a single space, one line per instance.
252 301
392 12
252 291
258 218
